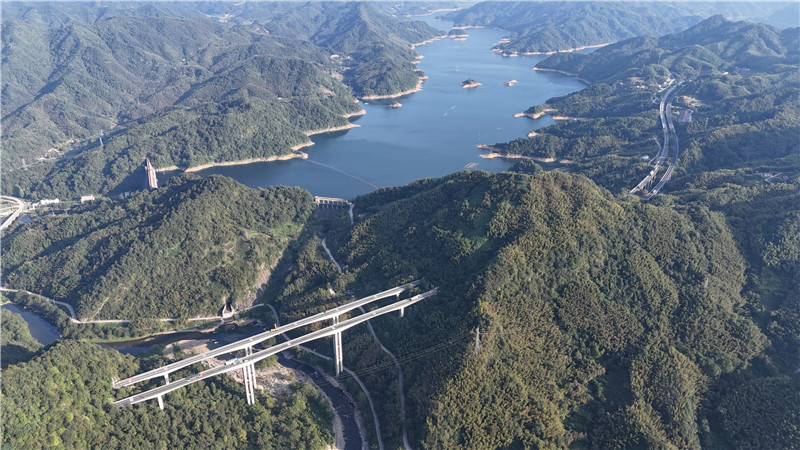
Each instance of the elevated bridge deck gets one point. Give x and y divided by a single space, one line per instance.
258 338
247 361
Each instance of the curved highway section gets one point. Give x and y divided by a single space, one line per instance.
20 207
665 114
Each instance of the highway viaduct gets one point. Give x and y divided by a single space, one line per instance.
246 363
665 115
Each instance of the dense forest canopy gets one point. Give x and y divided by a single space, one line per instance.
61 399
192 248
581 302
738 149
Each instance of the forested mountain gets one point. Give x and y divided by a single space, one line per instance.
57 14
190 92
376 45
740 81
185 250
738 150
568 314
61 399
554 26
714 45
105 87
738 158
601 323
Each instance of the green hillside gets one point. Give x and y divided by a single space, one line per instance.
374 48
738 152
192 92
714 45
189 249
581 302
743 104
61 399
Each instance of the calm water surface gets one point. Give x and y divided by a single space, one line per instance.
41 330
433 134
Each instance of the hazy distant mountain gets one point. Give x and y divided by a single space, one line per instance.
553 26
712 45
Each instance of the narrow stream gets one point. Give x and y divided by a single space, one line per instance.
341 403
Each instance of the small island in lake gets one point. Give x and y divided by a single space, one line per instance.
458 34
510 83
469 83
396 105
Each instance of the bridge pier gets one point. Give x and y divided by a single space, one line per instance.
160 402
337 349
402 312
249 375
166 377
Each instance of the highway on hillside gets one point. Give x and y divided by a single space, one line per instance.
258 356
665 114
20 207
252 340
675 149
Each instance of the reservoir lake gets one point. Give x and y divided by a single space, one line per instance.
435 131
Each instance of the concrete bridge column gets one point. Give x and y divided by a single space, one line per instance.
246 377
252 383
166 377
337 349
160 402
402 312
249 376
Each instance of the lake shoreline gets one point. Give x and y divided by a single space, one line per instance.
391 139
569 50
573 75
536 115
427 41
332 129
297 155
418 88
496 152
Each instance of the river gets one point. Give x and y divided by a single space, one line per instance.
435 131
41 330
